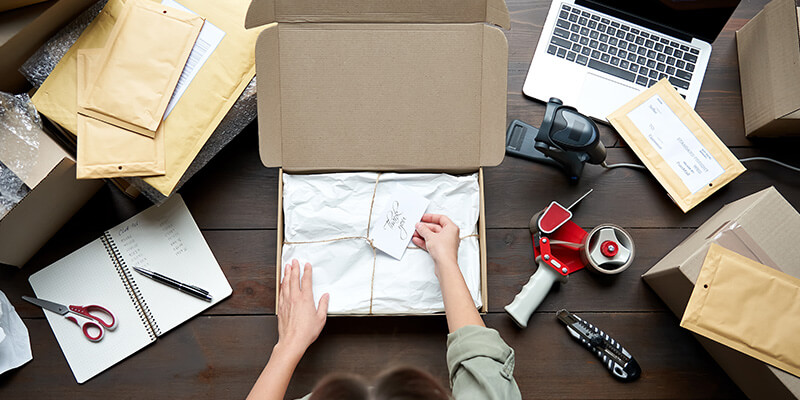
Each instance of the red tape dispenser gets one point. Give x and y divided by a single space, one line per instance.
561 247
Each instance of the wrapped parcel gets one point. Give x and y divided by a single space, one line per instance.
326 219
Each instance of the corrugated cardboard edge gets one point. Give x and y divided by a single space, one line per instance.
666 176
769 59
268 67
481 244
494 12
493 102
29 225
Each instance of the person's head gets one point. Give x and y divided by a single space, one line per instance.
398 384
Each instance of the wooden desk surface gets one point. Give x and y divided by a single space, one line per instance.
220 353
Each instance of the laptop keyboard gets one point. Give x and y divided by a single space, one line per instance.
621 50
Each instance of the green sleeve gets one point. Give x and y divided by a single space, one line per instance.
481 365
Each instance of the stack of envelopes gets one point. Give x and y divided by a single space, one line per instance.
124 89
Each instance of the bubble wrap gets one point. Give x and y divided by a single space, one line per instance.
241 114
20 127
38 67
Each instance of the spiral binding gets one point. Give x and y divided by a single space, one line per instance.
130 286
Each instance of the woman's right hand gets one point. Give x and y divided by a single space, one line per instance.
438 235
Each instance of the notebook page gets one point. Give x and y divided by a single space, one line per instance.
166 240
86 277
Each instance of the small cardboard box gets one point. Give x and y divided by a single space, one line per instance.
769 70
55 194
23 31
763 227
381 85
54 198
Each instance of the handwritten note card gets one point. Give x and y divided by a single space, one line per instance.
394 225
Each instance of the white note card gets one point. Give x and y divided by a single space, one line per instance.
395 224
676 144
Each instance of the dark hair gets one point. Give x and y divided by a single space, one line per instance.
405 383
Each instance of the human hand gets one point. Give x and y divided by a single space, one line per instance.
299 322
438 235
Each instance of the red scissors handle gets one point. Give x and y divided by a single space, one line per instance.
99 313
93 321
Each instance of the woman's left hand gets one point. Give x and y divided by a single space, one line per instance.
299 321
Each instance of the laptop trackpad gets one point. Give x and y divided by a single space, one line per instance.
599 96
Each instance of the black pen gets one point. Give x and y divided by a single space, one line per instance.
188 289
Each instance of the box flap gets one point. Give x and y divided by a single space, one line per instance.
359 11
32 222
381 97
17 49
769 64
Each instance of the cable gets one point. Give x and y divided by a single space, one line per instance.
743 160
795 169
622 165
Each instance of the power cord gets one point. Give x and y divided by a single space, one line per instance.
743 160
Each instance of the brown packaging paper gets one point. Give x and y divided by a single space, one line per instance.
139 66
108 151
747 306
661 168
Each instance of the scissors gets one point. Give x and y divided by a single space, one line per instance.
90 321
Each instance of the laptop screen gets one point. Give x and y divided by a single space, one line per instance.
703 19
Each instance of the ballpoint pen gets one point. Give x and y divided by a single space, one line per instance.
185 288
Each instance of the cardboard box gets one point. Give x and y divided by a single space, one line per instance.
763 227
769 70
381 85
55 195
54 198
23 31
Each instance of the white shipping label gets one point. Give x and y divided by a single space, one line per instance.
676 144
207 41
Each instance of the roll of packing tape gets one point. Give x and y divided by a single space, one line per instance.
608 249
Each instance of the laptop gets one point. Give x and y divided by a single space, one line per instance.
596 55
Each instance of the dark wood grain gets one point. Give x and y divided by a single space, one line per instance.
234 200
220 357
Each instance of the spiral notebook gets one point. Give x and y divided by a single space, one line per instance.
162 238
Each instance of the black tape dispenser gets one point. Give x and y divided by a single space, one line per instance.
567 139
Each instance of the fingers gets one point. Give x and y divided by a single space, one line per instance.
424 230
432 218
322 309
285 288
419 242
305 285
294 280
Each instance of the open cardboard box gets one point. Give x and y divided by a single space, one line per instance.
55 194
381 85
54 198
28 29
769 60
763 227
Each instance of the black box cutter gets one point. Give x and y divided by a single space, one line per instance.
615 358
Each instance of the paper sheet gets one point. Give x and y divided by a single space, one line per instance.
207 42
676 144
328 206
15 345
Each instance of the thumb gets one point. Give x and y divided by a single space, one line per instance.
423 230
322 309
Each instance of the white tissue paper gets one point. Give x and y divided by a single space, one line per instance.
15 345
322 207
